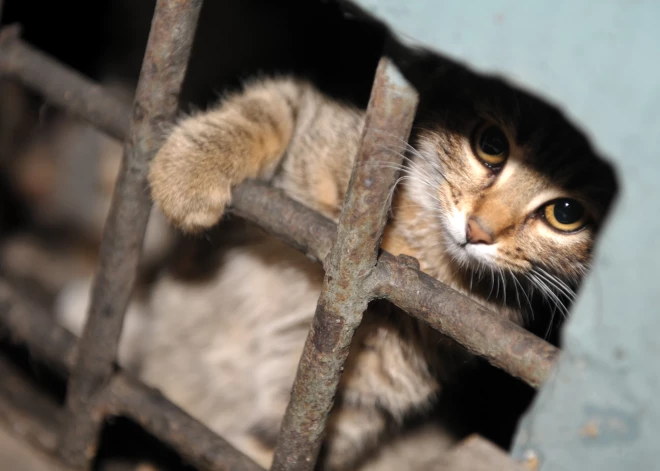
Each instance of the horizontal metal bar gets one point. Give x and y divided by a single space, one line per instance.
345 296
48 341
62 86
156 103
495 338
147 407
304 229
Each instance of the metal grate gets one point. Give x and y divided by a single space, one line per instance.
356 270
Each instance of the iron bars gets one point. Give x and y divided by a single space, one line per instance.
355 272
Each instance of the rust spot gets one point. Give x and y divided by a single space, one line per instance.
327 330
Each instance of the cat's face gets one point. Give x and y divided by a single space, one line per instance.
511 190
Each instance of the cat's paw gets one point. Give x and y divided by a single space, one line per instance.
188 184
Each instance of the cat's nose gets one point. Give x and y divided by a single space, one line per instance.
476 233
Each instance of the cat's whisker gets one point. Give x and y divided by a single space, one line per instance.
433 197
404 144
503 285
434 163
401 151
550 294
556 283
428 179
424 179
481 271
492 282
390 195
515 287
558 280
553 312
407 148
522 289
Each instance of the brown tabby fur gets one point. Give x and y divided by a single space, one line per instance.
226 349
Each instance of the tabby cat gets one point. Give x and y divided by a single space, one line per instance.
500 198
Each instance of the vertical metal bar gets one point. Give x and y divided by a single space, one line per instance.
344 296
156 102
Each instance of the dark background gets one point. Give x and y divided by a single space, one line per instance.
235 38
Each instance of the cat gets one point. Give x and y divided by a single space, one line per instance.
500 198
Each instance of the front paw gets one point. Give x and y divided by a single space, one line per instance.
188 185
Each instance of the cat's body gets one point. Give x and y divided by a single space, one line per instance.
473 209
268 293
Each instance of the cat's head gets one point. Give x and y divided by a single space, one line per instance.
507 188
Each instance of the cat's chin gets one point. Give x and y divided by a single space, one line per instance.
481 254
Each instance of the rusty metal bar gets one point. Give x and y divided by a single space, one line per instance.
296 224
312 233
193 440
47 341
156 102
500 341
62 86
345 296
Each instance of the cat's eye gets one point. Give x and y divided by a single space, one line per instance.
491 145
565 215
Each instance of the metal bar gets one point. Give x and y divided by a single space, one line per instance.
193 440
156 102
498 340
345 296
62 85
296 224
303 228
46 340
